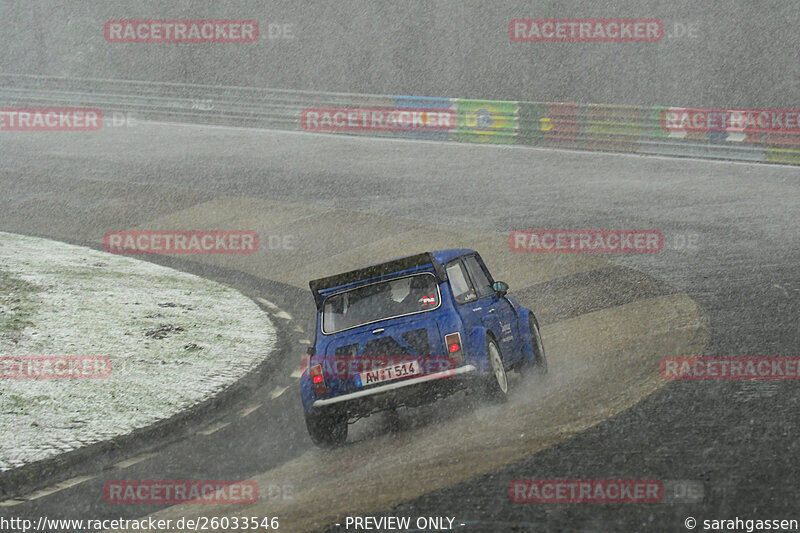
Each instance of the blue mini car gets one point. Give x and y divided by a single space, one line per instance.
407 332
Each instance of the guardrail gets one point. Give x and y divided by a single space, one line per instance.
765 135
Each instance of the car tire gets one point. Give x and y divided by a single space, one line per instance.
327 430
497 380
539 365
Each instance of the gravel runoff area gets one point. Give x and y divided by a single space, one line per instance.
172 340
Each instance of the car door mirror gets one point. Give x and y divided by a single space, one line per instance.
500 287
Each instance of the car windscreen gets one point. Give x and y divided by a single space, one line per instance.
378 301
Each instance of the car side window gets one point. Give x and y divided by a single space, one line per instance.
459 283
481 282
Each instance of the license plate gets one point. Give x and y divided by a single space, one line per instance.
387 373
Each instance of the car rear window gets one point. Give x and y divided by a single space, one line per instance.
378 301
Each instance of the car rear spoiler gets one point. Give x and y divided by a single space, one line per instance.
375 273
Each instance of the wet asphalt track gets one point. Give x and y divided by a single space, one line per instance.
737 439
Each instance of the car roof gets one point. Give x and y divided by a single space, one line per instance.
386 269
441 256
445 256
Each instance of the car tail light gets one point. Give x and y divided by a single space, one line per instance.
318 380
453 342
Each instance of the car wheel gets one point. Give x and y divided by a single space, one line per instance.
497 380
539 359
327 429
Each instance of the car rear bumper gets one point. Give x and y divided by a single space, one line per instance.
395 386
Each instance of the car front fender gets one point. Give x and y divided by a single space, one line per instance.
525 333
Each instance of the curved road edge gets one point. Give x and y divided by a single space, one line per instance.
22 481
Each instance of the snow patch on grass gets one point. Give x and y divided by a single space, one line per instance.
174 340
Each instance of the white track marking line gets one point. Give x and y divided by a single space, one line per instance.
132 461
298 329
304 341
57 487
74 481
214 428
785 292
11 503
277 311
297 373
267 303
247 410
278 391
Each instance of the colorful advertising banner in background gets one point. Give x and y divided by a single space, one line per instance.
616 120
533 123
489 121
653 123
600 127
